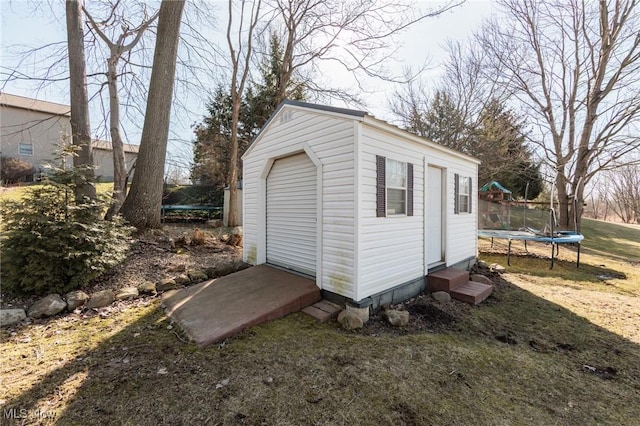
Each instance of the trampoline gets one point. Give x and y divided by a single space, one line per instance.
555 239
500 216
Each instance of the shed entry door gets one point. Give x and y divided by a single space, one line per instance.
291 214
434 211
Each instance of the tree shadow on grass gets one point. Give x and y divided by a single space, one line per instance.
517 356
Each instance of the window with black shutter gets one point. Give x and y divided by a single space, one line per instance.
394 191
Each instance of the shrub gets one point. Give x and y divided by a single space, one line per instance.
54 243
14 170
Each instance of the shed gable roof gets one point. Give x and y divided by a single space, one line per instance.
355 115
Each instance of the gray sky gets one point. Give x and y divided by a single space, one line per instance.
423 43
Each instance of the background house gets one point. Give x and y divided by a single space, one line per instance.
103 159
32 130
365 208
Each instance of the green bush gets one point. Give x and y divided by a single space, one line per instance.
14 170
51 243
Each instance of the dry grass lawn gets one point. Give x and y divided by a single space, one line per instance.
549 347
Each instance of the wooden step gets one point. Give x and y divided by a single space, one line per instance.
447 279
323 310
472 292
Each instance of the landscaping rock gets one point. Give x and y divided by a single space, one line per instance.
225 237
214 223
127 293
101 299
199 238
363 313
147 287
235 240
481 279
349 320
396 318
177 268
482 264
225 269
182 279
47 306
441 296
75 299
237 230
183 241
166 284
198 276
11 316
497 268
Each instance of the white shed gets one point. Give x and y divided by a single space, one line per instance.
362 206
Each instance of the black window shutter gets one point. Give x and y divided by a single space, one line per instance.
409 189
381 186
456 190
470 194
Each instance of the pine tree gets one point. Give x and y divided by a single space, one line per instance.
499 141
212 144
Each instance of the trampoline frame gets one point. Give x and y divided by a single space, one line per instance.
555 239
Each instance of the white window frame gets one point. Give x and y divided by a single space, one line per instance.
388 187
464 193
22 145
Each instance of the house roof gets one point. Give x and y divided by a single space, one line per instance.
106 145
34 104
358 116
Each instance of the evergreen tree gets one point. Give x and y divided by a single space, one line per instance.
53 240
499 141
443 123
212 144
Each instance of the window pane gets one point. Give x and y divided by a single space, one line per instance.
396 201
464 186
25 149
396 174
464 204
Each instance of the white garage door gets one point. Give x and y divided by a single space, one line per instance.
291 214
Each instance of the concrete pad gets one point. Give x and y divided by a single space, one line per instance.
216 309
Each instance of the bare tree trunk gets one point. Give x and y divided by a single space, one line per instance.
241 55
142 205
116 50
233 172
119 167
80 125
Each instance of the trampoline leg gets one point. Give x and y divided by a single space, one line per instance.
578 262
552 255
525 246
509 254
491 242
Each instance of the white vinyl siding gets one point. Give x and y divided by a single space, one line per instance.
390 249
291 214
331 139
461 236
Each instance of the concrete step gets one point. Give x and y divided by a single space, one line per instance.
323 310
471 292
446 279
